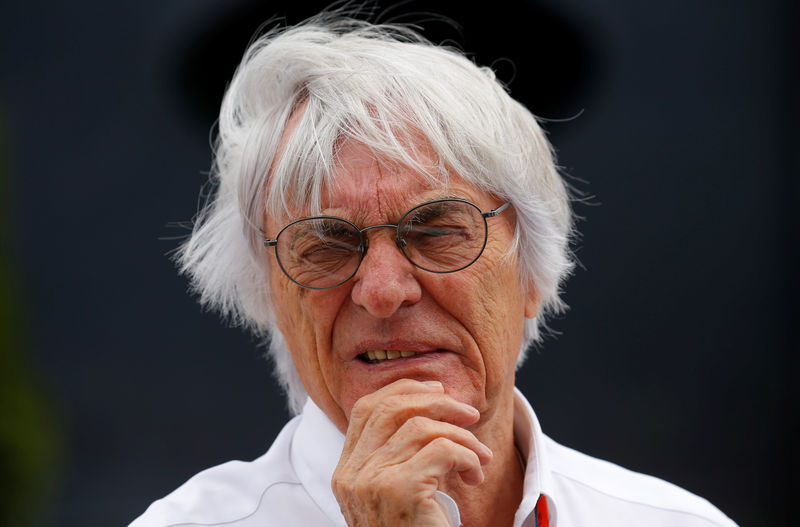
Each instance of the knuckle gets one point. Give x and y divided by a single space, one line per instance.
385 407
417 424
423 421
340 483
361 409
441 443
336 487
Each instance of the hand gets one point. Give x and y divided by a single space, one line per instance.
402 441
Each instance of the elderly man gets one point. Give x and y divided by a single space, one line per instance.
395 222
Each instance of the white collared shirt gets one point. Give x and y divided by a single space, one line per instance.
289 486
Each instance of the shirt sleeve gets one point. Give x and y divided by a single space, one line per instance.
451 506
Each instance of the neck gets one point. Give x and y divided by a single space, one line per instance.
495 501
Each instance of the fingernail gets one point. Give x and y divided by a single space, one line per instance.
470 408
433 384
487 451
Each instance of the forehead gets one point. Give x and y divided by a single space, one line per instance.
365 186
362 175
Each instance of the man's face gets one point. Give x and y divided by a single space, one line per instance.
464 328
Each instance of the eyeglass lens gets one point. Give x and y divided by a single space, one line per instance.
441 237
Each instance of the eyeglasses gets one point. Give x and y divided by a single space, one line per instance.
440 236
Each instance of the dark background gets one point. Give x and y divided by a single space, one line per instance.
678 120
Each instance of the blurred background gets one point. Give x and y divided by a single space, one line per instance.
677 120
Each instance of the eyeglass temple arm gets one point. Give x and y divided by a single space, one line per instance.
267 241
495 212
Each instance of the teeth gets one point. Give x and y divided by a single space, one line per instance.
376 355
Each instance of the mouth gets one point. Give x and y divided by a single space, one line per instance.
380 356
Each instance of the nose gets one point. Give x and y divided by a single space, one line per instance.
385 281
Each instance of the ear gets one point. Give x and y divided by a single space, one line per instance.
533 301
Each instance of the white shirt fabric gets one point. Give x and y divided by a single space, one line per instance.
289 486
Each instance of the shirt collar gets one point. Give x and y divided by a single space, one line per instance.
317 446
530 441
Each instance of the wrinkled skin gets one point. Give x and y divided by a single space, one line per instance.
406 428
404 438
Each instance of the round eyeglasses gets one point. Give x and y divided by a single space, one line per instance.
440 236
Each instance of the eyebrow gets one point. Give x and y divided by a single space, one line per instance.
357 218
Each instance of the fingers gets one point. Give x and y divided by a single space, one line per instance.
405 493
394 424
442 456
402 442
377 416
363 408
418 432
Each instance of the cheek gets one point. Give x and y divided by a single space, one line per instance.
292 318
305 318
496 314
287 301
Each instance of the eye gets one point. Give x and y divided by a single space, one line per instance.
319 252
439 223
322 240
436 231
443 236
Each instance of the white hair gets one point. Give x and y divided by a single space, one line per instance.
382 86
